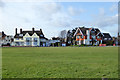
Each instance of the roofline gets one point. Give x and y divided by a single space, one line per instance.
92 28
99 33
77 30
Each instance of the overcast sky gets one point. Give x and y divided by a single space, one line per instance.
52 17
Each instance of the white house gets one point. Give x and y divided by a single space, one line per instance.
30 38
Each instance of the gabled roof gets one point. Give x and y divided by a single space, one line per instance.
31 33
18 36
97 30
83 29
99 34
106 35
3 35
39 33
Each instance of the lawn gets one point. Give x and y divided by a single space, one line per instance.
60 62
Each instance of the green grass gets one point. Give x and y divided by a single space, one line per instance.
60 62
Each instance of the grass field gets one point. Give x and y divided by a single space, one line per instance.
60 62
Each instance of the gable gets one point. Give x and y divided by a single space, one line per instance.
100 34
26 35
34 35
78 31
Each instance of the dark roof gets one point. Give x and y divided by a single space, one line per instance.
20 35
55 38
97 30
106 35
3 34
100 34
83 29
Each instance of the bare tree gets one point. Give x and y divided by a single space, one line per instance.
63 34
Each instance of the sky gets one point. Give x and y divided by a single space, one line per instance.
52 17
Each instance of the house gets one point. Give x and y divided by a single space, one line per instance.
30 38
90 36
55 41
107 39
115 40
5 40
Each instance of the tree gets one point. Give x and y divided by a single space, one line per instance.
63 34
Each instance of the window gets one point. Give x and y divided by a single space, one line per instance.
109 38
92 32
98 37
81 36
18 43
41 35
17 38
35 41
93 37
105 38
77 37
28 41
20 34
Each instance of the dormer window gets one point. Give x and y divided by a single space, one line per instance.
77 37
98 37
21 35
105 38
93 36
41 35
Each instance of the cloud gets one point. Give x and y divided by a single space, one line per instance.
73 11
38 15
2 4
114 8
104 20
51 17
101 11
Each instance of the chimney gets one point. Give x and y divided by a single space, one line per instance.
40 30
2 33
15 30
21 31
33 30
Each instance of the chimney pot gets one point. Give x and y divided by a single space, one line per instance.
15 30
20 30
33 30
